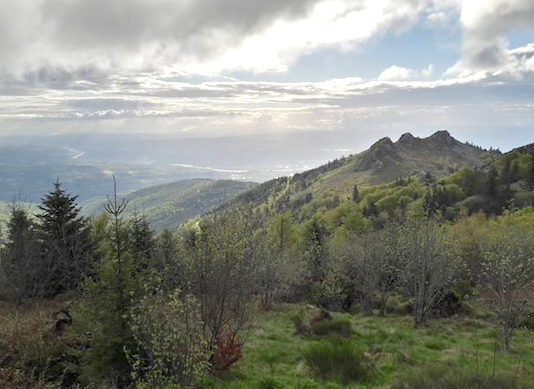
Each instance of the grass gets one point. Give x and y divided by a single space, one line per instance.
339 360
273 352
31 352
450 376
273 355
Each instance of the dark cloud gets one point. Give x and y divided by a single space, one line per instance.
112 33
485 26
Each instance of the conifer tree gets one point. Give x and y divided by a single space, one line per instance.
168 261
107 298
19 254
314 250
355 194
493 181
64 237
142 241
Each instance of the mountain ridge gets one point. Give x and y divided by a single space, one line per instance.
438 155
168 205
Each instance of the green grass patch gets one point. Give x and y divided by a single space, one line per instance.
394 346
339 360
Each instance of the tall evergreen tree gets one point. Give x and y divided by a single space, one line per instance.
142 241
64 237
19 254
107 298
314 248
493 182
355 193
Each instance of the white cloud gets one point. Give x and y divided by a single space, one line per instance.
199 35
485 25
428 71
396 73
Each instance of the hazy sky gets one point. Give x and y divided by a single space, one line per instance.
356 70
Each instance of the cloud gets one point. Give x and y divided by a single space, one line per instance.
173 66
485 25
396 73
141 34
428 71
195 35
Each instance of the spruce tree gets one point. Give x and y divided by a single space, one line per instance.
142 241
64 237
314 250
19 254
493 182
355 193
103 309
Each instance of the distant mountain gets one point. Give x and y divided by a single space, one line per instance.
167 206
385 161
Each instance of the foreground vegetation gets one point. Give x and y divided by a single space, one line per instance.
403 285
274 355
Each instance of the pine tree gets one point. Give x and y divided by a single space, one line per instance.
493 182
168 261
315 248
19 254
355 194
107 298
64 237
142 241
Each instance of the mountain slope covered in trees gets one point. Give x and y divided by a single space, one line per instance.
438 156
323 288
168 205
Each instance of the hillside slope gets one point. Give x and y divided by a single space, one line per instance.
385 161
166 206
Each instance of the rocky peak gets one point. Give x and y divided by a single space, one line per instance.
442 136
384 143
406 138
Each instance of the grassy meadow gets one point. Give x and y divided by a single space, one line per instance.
273 353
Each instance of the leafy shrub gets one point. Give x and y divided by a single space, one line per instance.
171 346
337 359
329 293
11 378
446 377
338 327
228 350
392 305
528 322
301 328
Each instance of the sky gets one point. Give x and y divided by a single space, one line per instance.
338 72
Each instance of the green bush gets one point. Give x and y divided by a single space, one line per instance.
337 359
270 383
447 377
301 328
171 348
393 305
337 327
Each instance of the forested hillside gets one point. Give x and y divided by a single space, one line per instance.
167 206
424 281
438 156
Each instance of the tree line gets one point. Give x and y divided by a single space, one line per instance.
167 309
